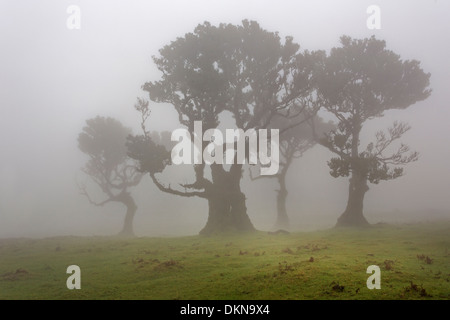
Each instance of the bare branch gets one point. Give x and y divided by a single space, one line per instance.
176 192
395 132
142 106
399 157
83 191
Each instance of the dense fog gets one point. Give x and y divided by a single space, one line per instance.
52 79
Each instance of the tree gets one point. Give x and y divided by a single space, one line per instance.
360 81
241 70
103 140
294 142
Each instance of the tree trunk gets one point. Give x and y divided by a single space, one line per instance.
282 217
128 201
227 208
353 214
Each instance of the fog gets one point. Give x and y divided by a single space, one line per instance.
52 79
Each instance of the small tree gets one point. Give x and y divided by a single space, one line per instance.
360 81
294 142
103 140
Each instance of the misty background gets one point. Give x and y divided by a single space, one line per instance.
52 79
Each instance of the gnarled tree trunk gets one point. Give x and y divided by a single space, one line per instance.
353 215
227 209
128 201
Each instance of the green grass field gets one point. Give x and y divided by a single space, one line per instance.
330 264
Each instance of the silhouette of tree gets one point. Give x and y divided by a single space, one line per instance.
240 69
360 81
103 140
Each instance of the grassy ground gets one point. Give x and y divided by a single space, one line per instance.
330 264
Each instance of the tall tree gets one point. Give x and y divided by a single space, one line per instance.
360 81
103 140
243 70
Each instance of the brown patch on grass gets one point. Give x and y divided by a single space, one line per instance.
17 275
169 264
388 264
287 250
141 262
416 289
283 268
425 258
337 287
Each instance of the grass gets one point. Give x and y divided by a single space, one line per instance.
330 264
